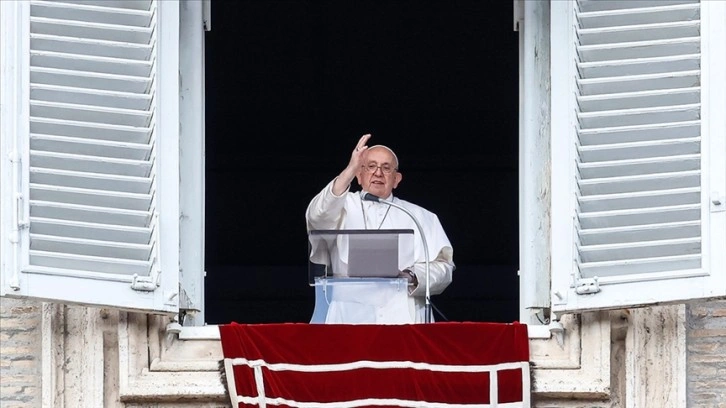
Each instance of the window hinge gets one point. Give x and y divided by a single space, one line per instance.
558 331
145 283
587 286
207 14
558 298
18 224
185 302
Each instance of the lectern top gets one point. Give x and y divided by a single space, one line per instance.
361 253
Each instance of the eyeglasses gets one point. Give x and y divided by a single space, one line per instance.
385 168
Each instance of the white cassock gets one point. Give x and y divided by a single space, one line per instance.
360 304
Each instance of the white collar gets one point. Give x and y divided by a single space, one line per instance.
363 192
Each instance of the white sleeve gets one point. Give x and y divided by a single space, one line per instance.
440 272
326 210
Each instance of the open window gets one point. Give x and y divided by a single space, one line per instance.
93 211
638 148
73 93
90 153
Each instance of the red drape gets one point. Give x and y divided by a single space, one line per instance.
377 365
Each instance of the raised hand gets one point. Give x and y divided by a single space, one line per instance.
358 154
351 170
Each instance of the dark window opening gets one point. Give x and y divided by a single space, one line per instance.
291 86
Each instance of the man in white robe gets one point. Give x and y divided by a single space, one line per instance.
335 207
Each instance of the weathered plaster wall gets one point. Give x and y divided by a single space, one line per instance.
20 350
655 363
641 362
706 356
79 353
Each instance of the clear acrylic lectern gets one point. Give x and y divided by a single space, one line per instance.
355 274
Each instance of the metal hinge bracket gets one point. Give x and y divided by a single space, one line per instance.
185 302
587 286
144 283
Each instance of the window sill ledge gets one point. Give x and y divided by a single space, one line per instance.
211 332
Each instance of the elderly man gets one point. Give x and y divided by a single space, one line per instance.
335 207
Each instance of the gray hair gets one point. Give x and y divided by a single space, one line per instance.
392 152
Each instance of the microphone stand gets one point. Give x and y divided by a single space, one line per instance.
427 307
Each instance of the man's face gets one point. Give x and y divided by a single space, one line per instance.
379 182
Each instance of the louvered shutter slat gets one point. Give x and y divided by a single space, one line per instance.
640 66
644 199
98 48
635 117
635 100
639 83
91 13
93 231
638 233
648 32
102 65
89 263
85 113
641 266
86 213
642 249
99 148
97 198
138 185
615 14
122 4
627 184
601 220
632 134
595 154
72 95
89 80
91 164
48 243
640 49
600 5
91 145
639 145
89 130
649 165
107 32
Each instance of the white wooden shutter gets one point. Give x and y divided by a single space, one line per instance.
90 122
637 142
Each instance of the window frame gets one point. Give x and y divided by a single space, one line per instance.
532 22
194 21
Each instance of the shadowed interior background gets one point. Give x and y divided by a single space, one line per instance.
291 86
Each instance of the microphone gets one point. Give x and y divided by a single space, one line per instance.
427 307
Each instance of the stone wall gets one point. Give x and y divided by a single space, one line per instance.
20 351
21 366
706 356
